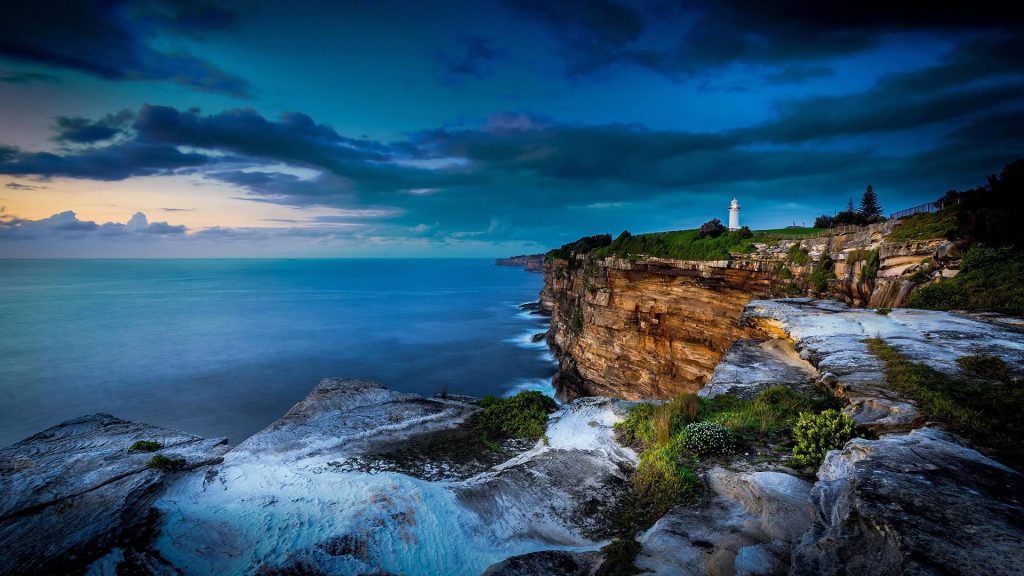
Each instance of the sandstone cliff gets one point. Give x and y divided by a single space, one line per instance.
654 327
528 262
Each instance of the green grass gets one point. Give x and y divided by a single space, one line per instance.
986 412
927 226
680 245
989 280
677 244
145 446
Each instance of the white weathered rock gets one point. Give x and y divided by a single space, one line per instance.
748 527
915 503
751 366
70 492
831 336
280 500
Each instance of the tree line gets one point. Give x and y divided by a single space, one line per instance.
869 212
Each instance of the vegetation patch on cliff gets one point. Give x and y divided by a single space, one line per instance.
989 279
984 404
677 438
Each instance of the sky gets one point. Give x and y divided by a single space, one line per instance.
362 128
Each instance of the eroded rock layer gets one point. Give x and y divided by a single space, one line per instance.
647 329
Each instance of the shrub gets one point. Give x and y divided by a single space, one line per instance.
619 556
883 311
822 273
166 463
145 446
825 221
744 233
989 279
989 367
712 228
524 415
871 265
705 438
816 434
797 255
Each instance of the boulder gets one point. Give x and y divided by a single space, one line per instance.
917 503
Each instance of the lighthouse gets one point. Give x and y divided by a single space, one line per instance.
734 215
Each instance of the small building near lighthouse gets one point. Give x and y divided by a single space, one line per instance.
734 215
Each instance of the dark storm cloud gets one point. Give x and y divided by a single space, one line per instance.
797 74
78 130
686 38
114 162
26 77
471 58
115 40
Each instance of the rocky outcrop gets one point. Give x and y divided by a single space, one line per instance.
649 329
831 335
749 526
77 489
915 503
288 497
751 366
654 327
530 263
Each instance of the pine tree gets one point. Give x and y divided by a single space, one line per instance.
869 207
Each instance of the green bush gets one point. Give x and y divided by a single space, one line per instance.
524 415
166 463
822 273
707 438
871 266
816 434
145 446
883 311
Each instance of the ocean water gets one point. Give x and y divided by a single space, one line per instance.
224 347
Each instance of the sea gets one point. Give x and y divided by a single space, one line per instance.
224 347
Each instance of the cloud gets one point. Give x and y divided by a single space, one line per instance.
796 74
78 130
117 40
681 39
19 186
67 222
114 162
470 60
27 77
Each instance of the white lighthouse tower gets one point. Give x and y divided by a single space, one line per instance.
734 215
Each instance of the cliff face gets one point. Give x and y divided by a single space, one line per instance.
530 262
652 328
647 329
